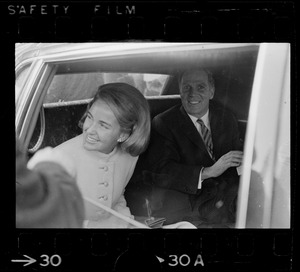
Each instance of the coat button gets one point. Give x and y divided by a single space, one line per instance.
104 168
103 183
105 197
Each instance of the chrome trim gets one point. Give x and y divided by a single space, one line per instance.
35 70
86 101
42 133
67 103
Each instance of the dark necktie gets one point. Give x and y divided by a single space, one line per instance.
206 136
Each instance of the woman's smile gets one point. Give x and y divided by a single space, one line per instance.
92 139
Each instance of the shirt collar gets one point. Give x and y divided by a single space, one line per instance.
204 118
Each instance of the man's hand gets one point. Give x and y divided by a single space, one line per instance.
230 159
53 155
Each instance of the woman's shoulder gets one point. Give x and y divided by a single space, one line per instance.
71 145
123 156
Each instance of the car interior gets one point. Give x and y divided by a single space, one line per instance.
233 70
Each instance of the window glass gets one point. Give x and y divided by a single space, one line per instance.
72 87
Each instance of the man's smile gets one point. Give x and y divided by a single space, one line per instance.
194 102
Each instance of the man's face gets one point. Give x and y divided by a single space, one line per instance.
195 92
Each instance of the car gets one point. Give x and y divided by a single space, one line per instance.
55 82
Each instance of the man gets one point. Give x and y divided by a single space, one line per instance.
191 164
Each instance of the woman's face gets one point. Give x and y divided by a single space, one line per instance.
101 129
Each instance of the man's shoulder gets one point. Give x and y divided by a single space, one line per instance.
169 113
219 109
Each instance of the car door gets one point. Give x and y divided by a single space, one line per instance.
265 186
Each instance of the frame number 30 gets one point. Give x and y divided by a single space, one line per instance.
54 260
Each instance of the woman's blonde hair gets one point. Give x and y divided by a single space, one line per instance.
131 109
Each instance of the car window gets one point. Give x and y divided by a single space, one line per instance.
79 86
20 79
234 72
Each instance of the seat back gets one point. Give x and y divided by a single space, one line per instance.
61 120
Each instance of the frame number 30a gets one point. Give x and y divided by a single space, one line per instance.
185 260
54 260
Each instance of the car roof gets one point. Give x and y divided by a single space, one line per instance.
164 58
38 50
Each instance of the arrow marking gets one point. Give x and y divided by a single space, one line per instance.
27 262
161 260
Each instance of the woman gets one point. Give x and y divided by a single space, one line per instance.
116 128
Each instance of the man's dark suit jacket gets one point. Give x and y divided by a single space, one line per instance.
174 158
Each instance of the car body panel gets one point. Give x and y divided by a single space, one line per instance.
268 143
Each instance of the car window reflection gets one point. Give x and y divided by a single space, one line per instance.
73 87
